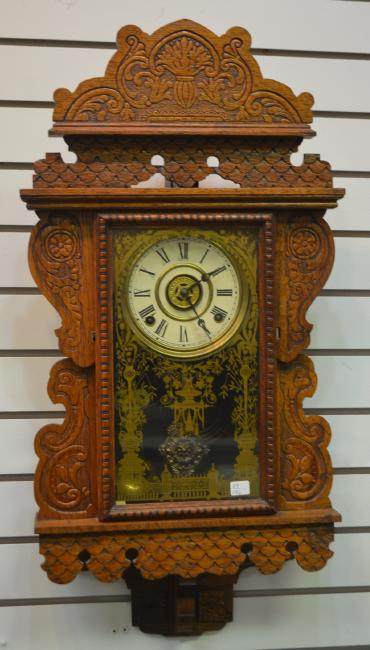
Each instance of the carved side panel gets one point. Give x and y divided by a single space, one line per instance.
304 463
186 554
305 258
63 482
61 262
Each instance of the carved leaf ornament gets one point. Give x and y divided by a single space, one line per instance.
182 72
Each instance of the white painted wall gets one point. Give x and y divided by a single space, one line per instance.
314 45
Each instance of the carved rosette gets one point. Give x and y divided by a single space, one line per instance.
182 72
305 259
305 462
63 476
187 554
61 270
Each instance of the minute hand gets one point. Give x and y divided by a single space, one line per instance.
205 276
216 271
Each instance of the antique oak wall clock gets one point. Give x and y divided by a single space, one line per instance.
185 454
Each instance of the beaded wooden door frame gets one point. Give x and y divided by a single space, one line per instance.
267 501
184 94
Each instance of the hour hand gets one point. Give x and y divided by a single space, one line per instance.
201 322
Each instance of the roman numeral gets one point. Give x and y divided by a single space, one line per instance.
163 255
147 311
141 293
217 271
184 250
183 334
204 256
224 292
146 271
162 328
218 313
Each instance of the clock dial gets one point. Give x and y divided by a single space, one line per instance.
185 296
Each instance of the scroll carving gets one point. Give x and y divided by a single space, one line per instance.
305 462
63 482
187 554
61 270
306 256
181 73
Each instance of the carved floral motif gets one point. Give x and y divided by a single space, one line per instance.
306 257
183 72
56 257
60 245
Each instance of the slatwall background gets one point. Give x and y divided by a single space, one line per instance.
322 46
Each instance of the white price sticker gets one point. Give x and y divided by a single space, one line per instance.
239 488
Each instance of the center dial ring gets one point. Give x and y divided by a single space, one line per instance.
184 290
179 288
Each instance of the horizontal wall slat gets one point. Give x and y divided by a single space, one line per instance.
351 269
352 264
344 382
344 143
14 271
349 496
322 78
16 442
12 210
22 577
23 561
24 382
260 623
339 323
27 322
353 211
24 135
349 447
325 23
348 550
67 67
350 443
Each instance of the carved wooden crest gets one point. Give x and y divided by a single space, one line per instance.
183 73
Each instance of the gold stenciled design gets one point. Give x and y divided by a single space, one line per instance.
188 389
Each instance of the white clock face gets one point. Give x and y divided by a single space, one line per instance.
184 296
